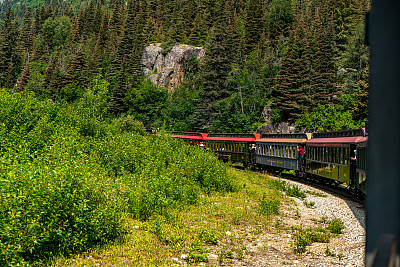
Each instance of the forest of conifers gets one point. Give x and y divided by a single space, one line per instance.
306 60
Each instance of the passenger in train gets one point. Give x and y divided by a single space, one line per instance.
301 156
253 153
353 161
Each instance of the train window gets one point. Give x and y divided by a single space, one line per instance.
346 155
326 155
329 150
337 155
320 154
341 155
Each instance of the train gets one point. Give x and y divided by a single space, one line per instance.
335 157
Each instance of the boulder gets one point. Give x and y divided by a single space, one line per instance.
168 70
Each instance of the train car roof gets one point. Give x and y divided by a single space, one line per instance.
230 139
282 140
189 135
362 140
337 140
285 138
337 134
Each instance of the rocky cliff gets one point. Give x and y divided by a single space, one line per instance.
168 70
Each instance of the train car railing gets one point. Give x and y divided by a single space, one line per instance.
232 135
286 136
186 133
344 133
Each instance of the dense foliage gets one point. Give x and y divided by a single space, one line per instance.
292 56
67 177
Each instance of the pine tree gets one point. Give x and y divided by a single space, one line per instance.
26 32
23 78
199 33
214 72
118 94
76 68
288 88
9 53
254 25
323 68
360 111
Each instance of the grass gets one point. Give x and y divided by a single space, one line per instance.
195 231
306 236
211 232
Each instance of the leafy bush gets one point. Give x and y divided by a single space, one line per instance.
128 124
66 178
53 205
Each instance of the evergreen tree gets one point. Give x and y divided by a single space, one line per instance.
23 78
199 32
214 73
118 94
9 53
288 91
76 68
361 105
323 65
254 25
26 32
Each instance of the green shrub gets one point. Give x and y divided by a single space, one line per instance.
294 191
268 206
67 178
208 237
336 226
306 236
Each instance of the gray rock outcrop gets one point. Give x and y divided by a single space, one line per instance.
168 70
